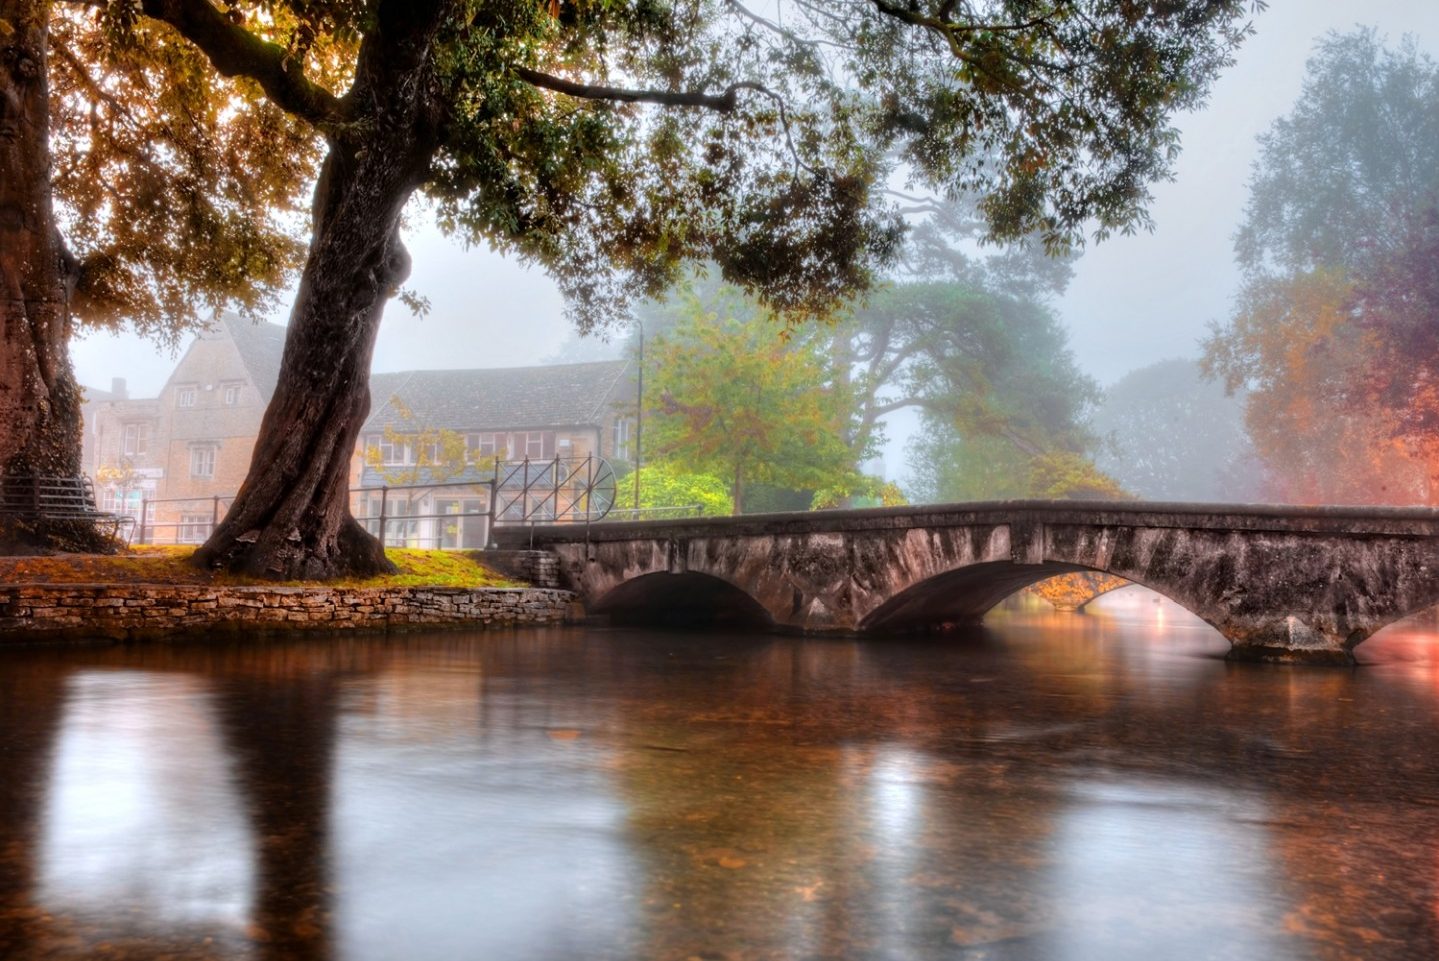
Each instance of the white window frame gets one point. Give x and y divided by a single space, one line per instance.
187 395
531 444
135 440
198 455
231 392
194 528
396 453
485 445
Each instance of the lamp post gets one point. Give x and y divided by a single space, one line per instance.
639 414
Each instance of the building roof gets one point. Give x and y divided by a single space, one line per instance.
261 346
504 398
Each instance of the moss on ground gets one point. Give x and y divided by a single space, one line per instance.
171 565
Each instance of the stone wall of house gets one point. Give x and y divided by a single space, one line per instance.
140 612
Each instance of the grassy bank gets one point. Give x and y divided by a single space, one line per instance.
171 565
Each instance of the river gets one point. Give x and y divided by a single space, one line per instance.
1053 786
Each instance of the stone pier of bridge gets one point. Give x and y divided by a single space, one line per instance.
1280 583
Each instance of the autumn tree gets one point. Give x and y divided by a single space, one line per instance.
135 186
1333 249
729 394
1397 307
611 142
1294 346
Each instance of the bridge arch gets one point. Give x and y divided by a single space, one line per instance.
963 595
681 600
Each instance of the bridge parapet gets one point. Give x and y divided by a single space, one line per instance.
1281 583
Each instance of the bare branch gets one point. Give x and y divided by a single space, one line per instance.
722 102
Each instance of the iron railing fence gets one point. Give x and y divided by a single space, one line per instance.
558 490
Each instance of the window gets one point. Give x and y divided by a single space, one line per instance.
483 446
137 439
396 452
194 528
465 523
202 461
231 392
535 444
185 395
624 438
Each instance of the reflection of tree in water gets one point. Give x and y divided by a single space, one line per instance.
275 706
31 697
281 738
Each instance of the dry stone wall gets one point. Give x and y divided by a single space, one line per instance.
136 612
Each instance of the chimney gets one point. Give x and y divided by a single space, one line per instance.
117 387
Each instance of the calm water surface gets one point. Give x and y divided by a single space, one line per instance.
1054 787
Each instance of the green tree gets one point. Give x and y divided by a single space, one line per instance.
611 142
1360 146
669 484
986 362
1004 403
730 394
947 466
135 186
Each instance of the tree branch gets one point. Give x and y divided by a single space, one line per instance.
235 52
723 102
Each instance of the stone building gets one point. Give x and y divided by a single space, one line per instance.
185 452
435 436
183 455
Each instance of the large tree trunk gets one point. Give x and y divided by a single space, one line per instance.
39 399
291 517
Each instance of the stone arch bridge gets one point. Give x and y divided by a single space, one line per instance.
1281 583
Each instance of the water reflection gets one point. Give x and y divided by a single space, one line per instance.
135 826
1056 786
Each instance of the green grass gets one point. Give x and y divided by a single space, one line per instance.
171 565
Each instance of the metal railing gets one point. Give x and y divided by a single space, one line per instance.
558 490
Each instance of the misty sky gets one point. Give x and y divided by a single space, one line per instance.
1134 300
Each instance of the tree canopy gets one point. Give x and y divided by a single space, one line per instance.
178 192
611 142
541 143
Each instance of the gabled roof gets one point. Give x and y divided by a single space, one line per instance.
504 398
261 346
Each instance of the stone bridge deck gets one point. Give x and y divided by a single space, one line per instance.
1285 583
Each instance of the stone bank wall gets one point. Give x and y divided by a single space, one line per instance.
135 612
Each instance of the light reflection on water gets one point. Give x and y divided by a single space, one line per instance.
1058 786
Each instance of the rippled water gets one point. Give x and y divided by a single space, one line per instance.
1096 786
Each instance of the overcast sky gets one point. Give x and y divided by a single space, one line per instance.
1134 300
